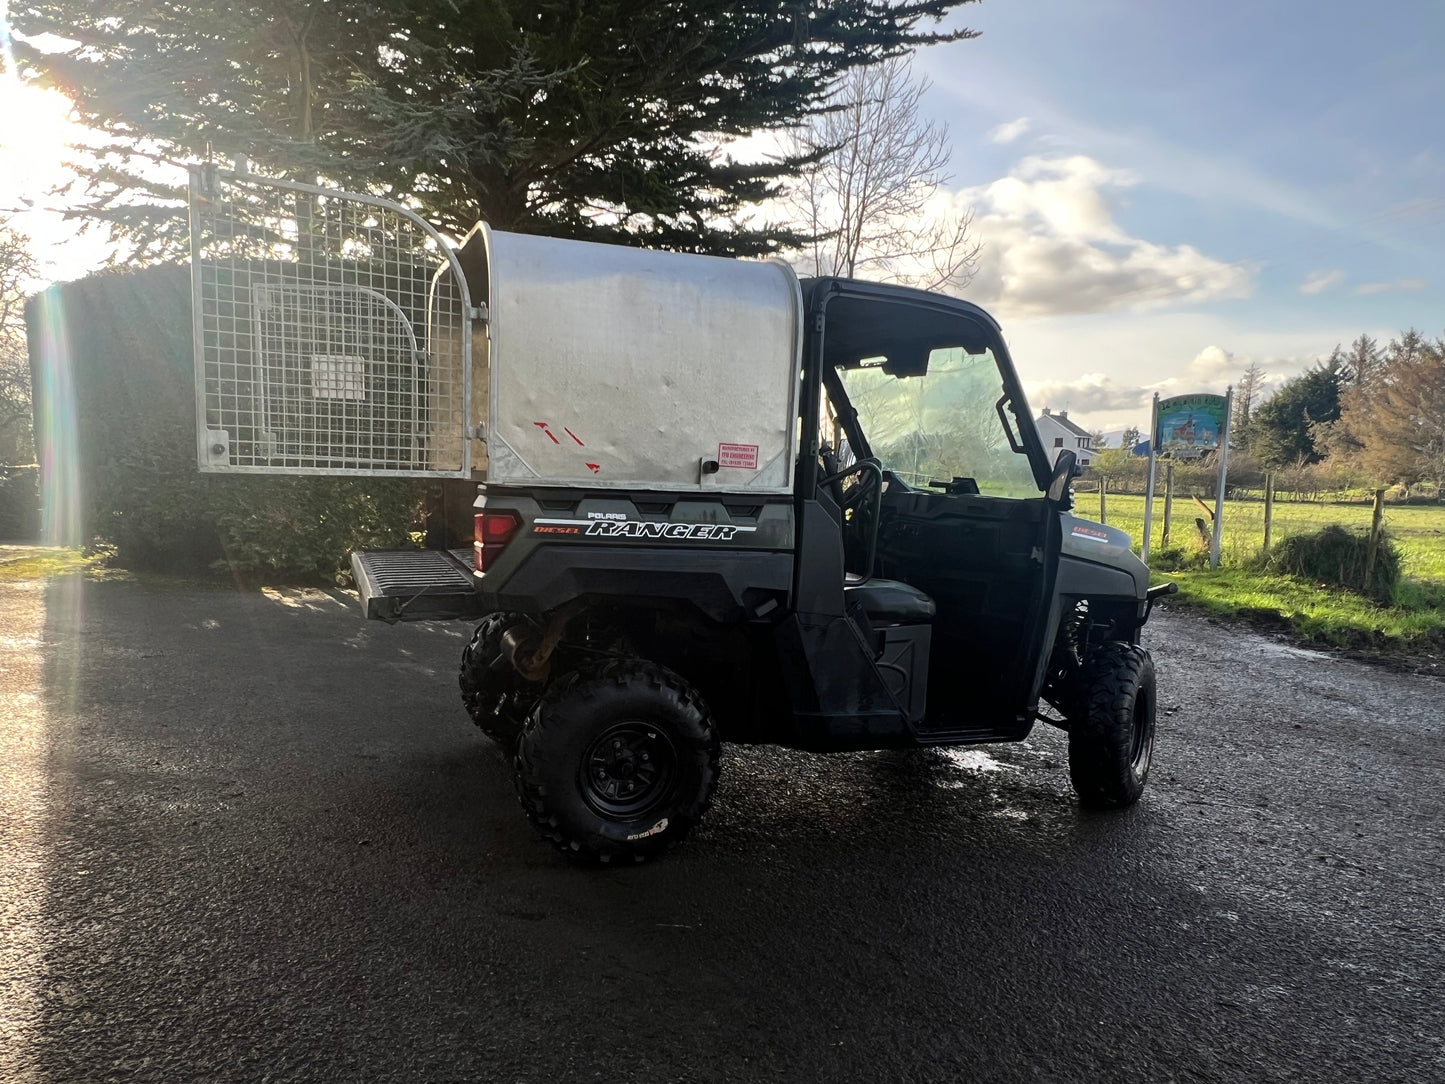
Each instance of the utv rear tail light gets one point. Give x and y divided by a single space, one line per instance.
493 531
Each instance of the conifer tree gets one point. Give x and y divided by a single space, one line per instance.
596 119
1400 425
1282 430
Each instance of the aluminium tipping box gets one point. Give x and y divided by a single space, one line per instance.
614 367
339 333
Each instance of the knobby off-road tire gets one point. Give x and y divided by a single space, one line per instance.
1111 741
617 763
495 696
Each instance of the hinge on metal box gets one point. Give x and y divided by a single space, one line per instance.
207 178
218 448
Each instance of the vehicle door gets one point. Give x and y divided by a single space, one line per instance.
963 516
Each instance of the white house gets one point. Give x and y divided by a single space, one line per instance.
1058 433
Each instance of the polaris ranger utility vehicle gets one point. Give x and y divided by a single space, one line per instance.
720 503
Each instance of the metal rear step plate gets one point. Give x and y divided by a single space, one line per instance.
416 585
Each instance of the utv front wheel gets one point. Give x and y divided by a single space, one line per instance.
495 695
616 765
1111 740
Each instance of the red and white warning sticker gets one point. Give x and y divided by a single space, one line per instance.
742 456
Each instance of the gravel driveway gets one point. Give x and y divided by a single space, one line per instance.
246 836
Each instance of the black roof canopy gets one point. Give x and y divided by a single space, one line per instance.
868 320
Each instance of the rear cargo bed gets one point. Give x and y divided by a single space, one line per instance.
416 585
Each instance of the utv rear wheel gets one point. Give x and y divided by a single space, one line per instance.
495 696
617 764
1111 741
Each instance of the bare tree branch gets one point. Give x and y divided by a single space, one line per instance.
869 196
17 271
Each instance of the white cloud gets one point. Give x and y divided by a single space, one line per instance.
1052 246
1173 353
1007 133
1386 287
1104 401
1320 281
1211 365
1214 368
1090 393
1179 166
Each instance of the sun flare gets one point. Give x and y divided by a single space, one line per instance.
35 130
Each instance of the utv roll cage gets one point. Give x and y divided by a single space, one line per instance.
865 321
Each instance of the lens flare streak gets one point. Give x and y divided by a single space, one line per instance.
57 443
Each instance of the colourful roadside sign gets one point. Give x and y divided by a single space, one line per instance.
1186 427
1189 425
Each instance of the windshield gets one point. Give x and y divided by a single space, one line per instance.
941 426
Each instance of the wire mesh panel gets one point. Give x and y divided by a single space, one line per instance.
326 343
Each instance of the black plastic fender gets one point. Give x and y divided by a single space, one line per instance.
725 585
1085 579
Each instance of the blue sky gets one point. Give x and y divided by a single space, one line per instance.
1168 191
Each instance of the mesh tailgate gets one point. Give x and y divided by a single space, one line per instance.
327 341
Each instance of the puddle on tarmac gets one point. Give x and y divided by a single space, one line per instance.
970 765
974 760
1272 650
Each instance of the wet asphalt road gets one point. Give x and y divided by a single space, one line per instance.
249 837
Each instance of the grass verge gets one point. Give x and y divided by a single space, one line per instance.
1320 615
1307 610
40 562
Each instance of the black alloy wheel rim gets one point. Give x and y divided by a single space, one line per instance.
628 769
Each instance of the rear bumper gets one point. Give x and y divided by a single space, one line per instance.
416 585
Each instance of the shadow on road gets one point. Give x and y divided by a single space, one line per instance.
275 847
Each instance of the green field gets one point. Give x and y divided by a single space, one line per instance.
1415 621
1418 529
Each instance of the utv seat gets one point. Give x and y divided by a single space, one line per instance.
898 620
888 602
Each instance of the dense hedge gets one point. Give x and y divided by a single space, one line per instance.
131 366
19 504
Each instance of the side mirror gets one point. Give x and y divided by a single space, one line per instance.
1065 467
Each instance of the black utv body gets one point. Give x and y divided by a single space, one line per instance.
923 584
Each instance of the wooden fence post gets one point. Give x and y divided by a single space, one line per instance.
1268 506
1103 491
1168 501
1374 545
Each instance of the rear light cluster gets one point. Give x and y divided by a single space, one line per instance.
493 531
